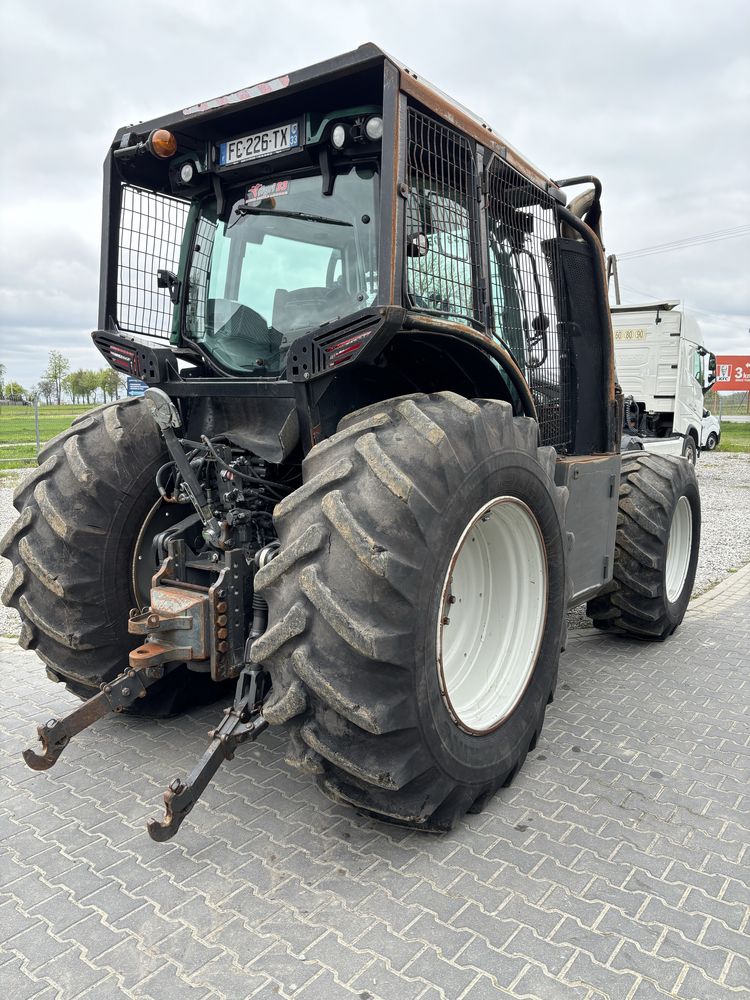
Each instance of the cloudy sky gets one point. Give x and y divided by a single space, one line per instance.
653 97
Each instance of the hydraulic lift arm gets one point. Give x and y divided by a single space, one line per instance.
114 696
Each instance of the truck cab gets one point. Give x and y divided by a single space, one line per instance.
664 371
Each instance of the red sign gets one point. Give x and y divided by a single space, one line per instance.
732 372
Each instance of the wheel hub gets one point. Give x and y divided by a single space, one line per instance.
678 549
492 612
143 566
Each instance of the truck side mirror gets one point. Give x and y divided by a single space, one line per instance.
710 371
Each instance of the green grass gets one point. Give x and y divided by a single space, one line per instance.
734 437
17 422
18 432
18 453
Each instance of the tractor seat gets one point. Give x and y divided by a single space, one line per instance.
307 307
239 336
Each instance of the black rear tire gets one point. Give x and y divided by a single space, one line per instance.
637 601
354 600
72 550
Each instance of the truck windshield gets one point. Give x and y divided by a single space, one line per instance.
281 259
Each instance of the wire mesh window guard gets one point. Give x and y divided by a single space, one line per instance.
526 289
200 275
441 249
150 237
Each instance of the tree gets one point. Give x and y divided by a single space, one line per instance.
2 379
46 389
90 384
81 385
57 368
110 383
15 391
69 386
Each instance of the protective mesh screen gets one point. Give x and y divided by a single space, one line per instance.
151 230
527 293
441 237
200 274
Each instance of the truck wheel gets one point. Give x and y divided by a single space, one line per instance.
416 606
711 441
656 549
78 551
690 450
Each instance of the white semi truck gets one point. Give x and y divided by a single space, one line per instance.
664 370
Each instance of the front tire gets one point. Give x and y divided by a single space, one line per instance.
358 601
690 449
656 548
74 547
711 441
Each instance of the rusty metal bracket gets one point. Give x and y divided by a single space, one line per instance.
242 722
175 627
114 696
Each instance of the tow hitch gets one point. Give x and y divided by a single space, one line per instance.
197 615
242 722
114 696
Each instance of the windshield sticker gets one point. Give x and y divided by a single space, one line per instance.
267 87
259 192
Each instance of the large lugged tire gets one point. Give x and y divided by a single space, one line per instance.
656 550
359 606
73 546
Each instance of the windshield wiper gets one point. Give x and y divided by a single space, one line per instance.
252 210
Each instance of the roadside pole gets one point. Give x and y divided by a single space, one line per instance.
36 423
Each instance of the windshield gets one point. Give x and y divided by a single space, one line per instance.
282 259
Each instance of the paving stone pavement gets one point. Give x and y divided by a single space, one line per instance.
616 866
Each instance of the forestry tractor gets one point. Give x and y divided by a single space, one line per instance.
377 457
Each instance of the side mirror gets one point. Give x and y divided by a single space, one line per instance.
417 245
710 371
167 279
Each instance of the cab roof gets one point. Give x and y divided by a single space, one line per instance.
367 56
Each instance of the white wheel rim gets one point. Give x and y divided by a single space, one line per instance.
492 611
678 549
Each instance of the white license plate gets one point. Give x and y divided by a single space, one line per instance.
252 147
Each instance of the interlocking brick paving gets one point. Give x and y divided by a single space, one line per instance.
616 866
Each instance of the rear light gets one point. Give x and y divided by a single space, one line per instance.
318 353
123 359
346 349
